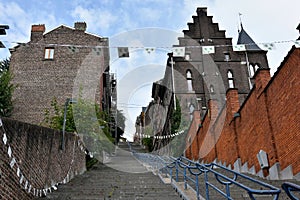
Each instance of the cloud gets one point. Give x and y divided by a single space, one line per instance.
97 20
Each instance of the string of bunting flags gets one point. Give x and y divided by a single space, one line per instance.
23 180
177 51
161 137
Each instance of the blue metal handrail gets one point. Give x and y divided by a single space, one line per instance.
289 188
183 165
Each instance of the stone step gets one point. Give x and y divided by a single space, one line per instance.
104 182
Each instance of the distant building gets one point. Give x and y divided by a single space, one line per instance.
200 76
54 64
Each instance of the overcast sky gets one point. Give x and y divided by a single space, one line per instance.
264 20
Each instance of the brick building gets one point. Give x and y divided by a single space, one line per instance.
267 121
58 64
200 76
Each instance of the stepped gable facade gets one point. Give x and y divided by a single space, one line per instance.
199 77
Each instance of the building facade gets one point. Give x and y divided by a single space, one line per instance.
209 67
59 64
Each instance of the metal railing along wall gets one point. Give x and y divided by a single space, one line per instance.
190 172
290 188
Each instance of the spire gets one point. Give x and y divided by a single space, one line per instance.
244 38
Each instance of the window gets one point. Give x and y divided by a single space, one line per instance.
253 69
189 80
211 89
192 108
227 56
230 79
187 56
49 53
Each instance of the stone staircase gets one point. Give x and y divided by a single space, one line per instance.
121 178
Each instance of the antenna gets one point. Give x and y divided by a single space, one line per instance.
240 18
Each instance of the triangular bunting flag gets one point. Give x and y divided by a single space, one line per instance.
208 49
269 46
239 47
4 139
12 163
9 152
178 51
123 52
149 49
297 43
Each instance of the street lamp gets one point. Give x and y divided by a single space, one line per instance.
68 101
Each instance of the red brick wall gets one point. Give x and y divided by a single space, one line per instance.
268 120
283 99
38 156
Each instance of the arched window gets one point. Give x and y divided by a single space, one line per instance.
230 79
189 80
211 89
192 108
253 68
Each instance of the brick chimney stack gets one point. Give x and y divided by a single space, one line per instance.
37 32
232 101
81 26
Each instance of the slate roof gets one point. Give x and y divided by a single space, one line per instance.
244 38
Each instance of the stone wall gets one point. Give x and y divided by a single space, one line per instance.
32 162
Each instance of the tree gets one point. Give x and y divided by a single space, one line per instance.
6 89
178 124
87 120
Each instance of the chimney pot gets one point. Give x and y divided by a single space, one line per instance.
38 28
81 26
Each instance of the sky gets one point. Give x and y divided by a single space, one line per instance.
152 21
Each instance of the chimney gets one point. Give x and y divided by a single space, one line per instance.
81 26
37 32
262 78
232 101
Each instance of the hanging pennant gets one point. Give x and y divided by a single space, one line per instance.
4 139
73 49
297 43
208 49
97 50
29 189
149 49
21 179
26 185
269 46
239 47
18 172
178 51
9 152
12 163
123 52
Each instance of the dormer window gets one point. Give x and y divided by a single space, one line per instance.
49 53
